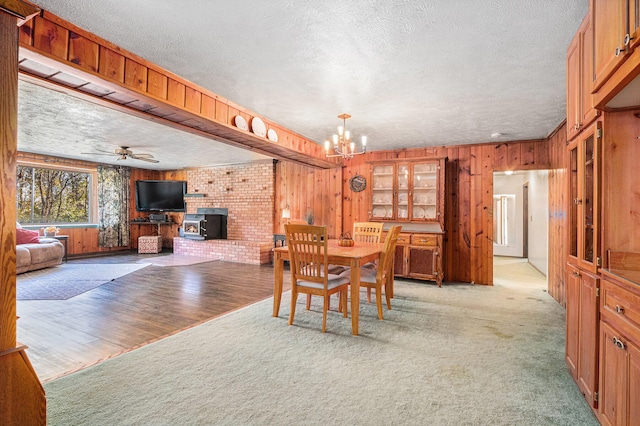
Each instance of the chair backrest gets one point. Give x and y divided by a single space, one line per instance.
307 252
370 232
385 265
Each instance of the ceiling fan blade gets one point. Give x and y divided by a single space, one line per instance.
97 153
141 155
145 159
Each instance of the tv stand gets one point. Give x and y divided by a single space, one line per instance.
150 222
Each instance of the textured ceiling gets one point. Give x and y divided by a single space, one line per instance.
411 73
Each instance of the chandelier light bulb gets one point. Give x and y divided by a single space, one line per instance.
342 144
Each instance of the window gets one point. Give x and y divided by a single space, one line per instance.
501 219
58 196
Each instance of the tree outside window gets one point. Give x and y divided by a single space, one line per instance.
52 195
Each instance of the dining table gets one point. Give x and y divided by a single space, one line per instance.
353 257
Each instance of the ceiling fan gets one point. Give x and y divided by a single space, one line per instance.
123 152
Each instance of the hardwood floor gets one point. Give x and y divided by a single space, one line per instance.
133 310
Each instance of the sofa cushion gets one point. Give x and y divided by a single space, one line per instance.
25 236
23 259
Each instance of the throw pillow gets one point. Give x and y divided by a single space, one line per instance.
25 236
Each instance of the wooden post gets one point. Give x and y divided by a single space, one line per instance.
21 395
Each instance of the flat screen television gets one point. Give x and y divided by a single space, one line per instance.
160 195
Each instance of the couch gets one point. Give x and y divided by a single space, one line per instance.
34 252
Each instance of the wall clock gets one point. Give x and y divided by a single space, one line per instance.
358 183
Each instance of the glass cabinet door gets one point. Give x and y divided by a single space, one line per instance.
574 200
588 199
403 191
382 192
425 191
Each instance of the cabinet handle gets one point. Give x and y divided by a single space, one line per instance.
620 309
627 39
576 273
618 51
619 343
577 201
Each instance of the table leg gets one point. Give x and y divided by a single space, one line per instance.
355 295
278 273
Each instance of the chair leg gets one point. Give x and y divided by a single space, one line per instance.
308 302
294 298
379 302
343 302
368 294
324 312
387 294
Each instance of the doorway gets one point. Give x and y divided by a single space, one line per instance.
521 223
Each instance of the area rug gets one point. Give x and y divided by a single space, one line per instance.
456 355
177 260
68 280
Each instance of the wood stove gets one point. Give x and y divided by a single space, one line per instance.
207 224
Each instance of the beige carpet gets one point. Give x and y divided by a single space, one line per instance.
456 355
176 260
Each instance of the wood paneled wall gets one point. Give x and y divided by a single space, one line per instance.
558 220
307 189
621 182
469 197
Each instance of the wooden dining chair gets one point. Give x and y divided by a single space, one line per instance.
309 268
378 278
370 232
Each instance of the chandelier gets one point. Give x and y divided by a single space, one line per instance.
343 146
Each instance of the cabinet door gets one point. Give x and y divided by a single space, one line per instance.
588 337
613 376
574 200
610 23
573 320
634 23
589 199
402 212
422 262
382 192
587 112
399 261
424 191
573 87
634 384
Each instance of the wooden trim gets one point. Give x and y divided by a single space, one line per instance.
21 10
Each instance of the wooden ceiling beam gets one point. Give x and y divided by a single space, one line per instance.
59 52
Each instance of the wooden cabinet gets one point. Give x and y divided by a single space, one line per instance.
584 199
411 193
583 291
419 256
580 105
619 352
613 36
408 191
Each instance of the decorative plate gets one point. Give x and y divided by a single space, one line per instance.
418 213
358 183
241 123
258 127
379 212
402 212
272 135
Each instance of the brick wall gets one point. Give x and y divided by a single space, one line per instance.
247 190
255 253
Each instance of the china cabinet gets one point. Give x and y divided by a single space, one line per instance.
411 193
408 191
584 199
